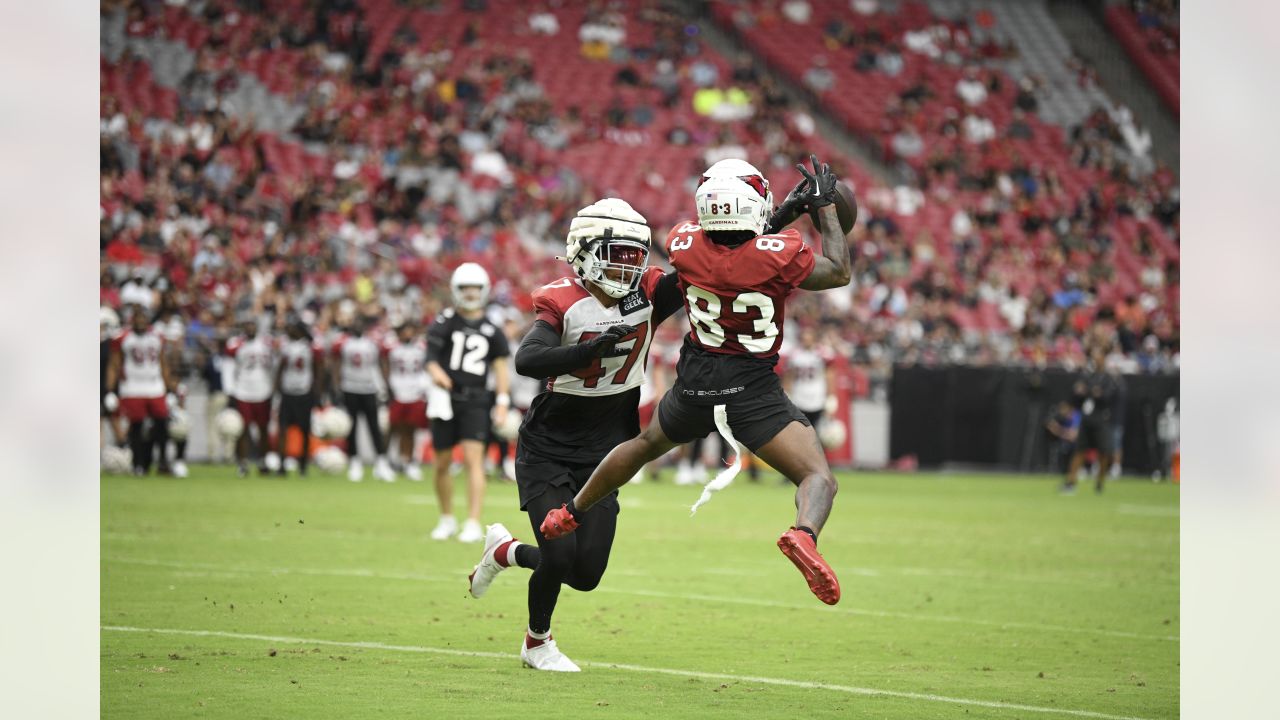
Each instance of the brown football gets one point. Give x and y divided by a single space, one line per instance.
846 208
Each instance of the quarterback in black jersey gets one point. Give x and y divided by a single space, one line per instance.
463 350
590 343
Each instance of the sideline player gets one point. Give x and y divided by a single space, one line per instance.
251 389
108 329
299 381
735 281
139 371
357 378
591 338
465 352
1095 395
809 376
403 367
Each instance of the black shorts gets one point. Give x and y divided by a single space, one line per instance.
1096 433
815 416
754 420
296 410
470 421
536 474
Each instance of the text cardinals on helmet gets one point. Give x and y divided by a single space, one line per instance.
608 246
470 275
734 196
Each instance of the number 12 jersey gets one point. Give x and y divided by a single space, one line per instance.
465 349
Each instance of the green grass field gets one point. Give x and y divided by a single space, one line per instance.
964 596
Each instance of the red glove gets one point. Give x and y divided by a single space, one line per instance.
558 523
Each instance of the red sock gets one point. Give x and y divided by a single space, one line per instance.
500 555
531 642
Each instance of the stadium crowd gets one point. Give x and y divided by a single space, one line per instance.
413 155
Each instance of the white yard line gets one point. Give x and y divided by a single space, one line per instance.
737 600
887 614
1147 510
602 665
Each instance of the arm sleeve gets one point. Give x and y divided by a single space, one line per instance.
667 299
541 356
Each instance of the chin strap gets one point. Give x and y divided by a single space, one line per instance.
726 476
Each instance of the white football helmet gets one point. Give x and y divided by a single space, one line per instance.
609 236
510 429
734 195
832 433
116 460
179 424
229 423
467 275
337 423
330 459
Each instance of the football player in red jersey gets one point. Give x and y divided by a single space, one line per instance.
735 276
589 344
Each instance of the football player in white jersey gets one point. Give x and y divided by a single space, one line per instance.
590 342
138 370
404 360
808 377
356 376
253 384
300 380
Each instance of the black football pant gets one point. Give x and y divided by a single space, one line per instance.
366 406
577 560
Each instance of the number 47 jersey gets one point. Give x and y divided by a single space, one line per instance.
580 416
736 299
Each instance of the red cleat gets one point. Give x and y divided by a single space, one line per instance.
799 547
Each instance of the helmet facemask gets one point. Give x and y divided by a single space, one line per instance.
613 264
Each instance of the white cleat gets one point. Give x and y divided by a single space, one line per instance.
509 469
699 475
684 475
382 470
179 469
488 568
445 529
546 657
413 471
471 532
291 465
355 471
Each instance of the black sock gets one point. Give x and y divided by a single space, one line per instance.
137 444
811 534
527 556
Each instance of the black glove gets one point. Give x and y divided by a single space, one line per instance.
822 184
796 204
602 345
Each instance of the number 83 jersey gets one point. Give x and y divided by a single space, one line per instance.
736 300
